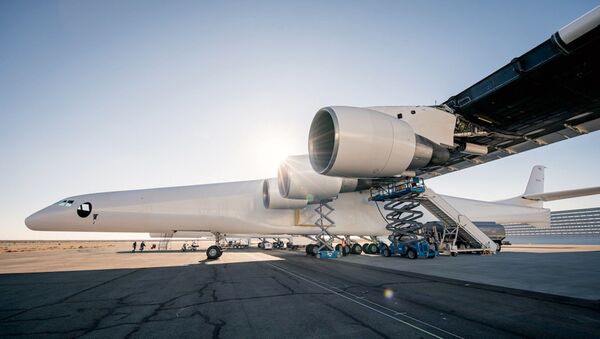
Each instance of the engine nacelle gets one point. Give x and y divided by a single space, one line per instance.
273 200
357 142
297 180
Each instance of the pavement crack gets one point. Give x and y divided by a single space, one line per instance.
65 299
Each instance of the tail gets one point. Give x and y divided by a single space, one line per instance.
535 185
534 195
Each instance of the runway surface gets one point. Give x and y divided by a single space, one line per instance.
252 293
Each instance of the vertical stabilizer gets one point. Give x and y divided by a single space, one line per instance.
535 185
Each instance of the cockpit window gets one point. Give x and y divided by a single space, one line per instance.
84 209
66 203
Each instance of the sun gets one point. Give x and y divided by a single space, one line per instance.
271 150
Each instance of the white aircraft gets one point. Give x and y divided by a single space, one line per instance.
366 162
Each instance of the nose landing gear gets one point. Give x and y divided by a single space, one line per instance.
215 251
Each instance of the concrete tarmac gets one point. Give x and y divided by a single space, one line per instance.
570 274
252 293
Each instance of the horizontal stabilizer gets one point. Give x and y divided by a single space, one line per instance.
550 196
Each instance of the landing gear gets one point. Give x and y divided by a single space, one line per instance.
373 249
278 244
214 252
365 248
356 249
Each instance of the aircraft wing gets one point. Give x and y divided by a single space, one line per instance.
551 196
548 94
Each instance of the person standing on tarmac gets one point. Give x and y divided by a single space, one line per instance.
142 245
134 246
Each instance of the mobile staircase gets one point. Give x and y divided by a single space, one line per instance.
165 239
456 225
401 200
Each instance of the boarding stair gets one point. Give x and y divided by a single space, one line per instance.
456 225
165 239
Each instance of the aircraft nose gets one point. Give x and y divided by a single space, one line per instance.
44 219
35 221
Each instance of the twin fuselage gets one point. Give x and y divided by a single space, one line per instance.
237 208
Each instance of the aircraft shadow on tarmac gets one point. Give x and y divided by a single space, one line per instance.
294 296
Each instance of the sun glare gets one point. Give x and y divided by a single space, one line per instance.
271 150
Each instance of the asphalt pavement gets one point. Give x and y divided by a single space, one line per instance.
257 294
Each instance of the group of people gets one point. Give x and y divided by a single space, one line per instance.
142 246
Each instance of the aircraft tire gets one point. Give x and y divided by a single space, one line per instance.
213 252
346 250
356 249
411 254
373 249
365 248
314 250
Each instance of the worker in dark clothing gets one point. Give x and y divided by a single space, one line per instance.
134 246
142 245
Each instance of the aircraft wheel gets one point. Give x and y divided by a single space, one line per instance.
314 250
365 248
338 248
373 249
454 254
356 249
411 254
260 245
213 252
346 250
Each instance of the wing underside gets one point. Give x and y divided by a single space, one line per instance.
548 94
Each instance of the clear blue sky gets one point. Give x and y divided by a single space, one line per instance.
113 95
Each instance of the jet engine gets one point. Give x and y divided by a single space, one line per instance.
357 142
297 180
273 200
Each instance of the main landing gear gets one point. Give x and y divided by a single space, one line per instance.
371 248
215 251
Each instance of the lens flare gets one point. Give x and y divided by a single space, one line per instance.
388 293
